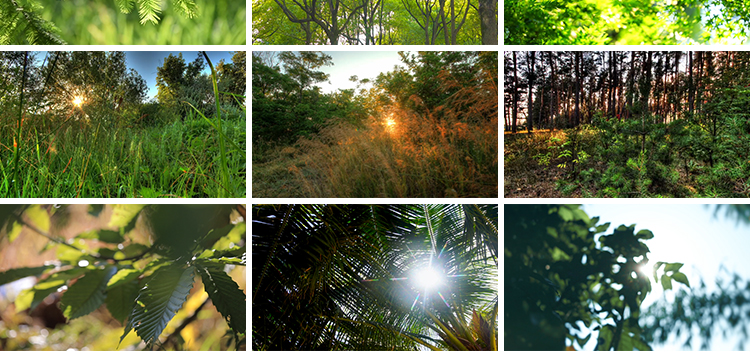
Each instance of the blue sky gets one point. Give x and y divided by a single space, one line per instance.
691 234
146 62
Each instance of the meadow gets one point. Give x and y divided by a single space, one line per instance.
139 149
429 129
403 155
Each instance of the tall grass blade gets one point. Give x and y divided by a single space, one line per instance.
223 158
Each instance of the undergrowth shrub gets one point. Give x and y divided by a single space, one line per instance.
420 155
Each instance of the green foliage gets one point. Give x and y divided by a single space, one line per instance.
382 22
87 294
145 284
158 301
344 279
617 22
184 22
562 275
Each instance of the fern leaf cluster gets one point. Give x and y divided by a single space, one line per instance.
149 10
22 25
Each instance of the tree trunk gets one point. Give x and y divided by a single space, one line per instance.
515 94
488 21
530 62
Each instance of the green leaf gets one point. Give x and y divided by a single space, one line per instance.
582 342
602 228
19 273
232 238
656 268
681 278
95 210
149 11
158 300
581 215
672 267
565 213
103 235
641 345
552 232
30 298
108 236
125 6
666 282
123 215
39 217
123 276
187 7
120 299
226 296
644 234
14 230
86 294
605 338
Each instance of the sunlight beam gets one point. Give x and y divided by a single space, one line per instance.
78 101
427 278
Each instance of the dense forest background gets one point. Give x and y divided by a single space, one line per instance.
428 128
375 22
77 124
626 22
636 124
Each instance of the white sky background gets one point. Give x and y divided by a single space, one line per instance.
362 64
689 234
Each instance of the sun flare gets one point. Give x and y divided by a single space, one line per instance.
78 101
428 278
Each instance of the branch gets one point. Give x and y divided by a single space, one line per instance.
63 242
185 323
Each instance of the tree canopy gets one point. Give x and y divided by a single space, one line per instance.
375 22
375 277
564 278
625 22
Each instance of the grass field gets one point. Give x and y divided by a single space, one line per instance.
83 159
402 155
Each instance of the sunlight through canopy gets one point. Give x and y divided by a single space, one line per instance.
428 278
78 101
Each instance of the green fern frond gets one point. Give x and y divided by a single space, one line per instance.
125 6
187 7
22 25
149 11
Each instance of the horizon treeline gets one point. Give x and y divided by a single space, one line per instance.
566 89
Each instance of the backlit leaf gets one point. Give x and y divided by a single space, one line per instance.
158 300
120 299
87 293
19 273
681 278
38 217
226 295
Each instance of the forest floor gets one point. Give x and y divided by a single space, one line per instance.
537 166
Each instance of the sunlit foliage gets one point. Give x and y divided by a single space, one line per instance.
625 22
134 265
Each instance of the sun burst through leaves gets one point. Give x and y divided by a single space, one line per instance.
78 101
